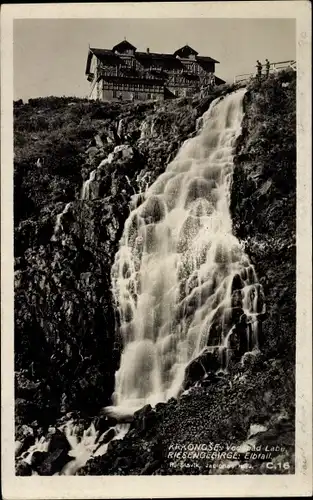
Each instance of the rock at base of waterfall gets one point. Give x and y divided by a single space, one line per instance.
103 423
23 469
107 436
37 459
142 410
58 441
203 367
53 463
159 407
25 444
144 420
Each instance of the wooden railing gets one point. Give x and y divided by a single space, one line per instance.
274 68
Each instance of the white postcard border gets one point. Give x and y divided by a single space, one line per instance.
37 487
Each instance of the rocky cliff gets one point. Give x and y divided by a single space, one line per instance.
65 343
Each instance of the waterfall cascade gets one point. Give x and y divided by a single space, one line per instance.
58 225
88 192
182 282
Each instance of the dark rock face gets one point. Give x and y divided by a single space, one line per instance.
58 441
263 202
54 462
203 367
23 469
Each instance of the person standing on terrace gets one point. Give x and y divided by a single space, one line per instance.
259 68
267 66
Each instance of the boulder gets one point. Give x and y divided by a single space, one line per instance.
25 444
101 424
23 469
148 421
107 436
160 407
59 441
54 462
209 361
145 409
24 431
38 457
172 401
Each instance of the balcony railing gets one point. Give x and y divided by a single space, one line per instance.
274 68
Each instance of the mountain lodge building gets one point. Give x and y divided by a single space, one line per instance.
125 74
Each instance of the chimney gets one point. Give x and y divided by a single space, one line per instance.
148 50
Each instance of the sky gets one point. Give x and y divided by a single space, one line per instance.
50 54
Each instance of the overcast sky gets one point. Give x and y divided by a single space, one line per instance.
50 54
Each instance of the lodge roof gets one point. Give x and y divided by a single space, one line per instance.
206 59
108 56
104 55
185 51
155 55
124 45
167 61
219 81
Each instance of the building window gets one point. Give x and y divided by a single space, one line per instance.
114 93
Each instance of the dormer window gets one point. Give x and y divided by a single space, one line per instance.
185 52
124 47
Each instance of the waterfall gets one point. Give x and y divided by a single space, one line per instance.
58 225
86 186
121 129
88 192
181 280
147 129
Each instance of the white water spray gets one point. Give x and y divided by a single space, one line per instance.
59 225
180 276
86 191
